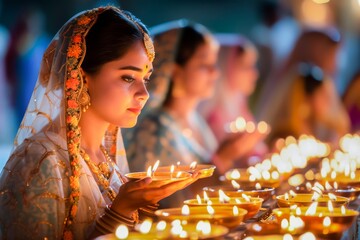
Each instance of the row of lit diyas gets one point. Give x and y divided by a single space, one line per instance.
176 229
295 154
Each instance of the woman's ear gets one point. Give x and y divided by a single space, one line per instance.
85 77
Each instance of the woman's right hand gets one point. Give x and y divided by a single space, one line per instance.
135 194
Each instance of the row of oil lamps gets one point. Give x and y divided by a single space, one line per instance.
316 205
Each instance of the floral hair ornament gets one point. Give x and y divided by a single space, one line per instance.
148 43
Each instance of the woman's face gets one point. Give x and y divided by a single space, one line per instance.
243 74
118 91
197 77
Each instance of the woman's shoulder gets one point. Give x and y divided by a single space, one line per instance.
34 151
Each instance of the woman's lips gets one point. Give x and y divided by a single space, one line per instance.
135 110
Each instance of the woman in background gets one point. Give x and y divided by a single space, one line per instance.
175 132
64 178
281 106
238 82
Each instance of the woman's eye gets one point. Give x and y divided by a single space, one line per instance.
128 79
147 81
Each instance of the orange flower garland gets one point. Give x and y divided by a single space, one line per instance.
73 85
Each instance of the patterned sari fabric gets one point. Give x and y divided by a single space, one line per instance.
46 188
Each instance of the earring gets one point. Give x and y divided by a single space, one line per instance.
84 99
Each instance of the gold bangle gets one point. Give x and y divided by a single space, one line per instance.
119 218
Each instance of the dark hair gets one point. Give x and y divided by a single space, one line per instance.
112 35
312 75
191 38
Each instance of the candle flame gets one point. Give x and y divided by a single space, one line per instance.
308 186
203 227
235 211
315 196
343 210
160 226
284 223
172 168
176 229
178 174
223 198
287 236
326 221
258 186
198 198
330 206
307 236
328 186
336 186
210 210
193 165
145 226
156 165
312 209
286 196
246 197
148 172
333 175
298 211
319 186
122 232
332 197
292 193
235 184
275 175
183 234
235 174
237 200
206 198
352 175
185 210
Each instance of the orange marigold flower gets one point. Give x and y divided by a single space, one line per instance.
113 150
74 182
68 235
74 51
71 134
76 39
73 210
84 20
72 149
72 120
72 83
74 73
72 103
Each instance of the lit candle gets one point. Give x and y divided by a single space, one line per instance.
185 210
198 198
292 193
172 168
235 211
328 186
235 174
156 165
284 224
235 184
122 232
287 236
330 206
193 165
210 210
246 197
258 186
326 221
286 196
307 236
148 172
312 209
204 227
145 226
223 198
343 210
160 226
332 197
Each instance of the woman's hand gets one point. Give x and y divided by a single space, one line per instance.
135 194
